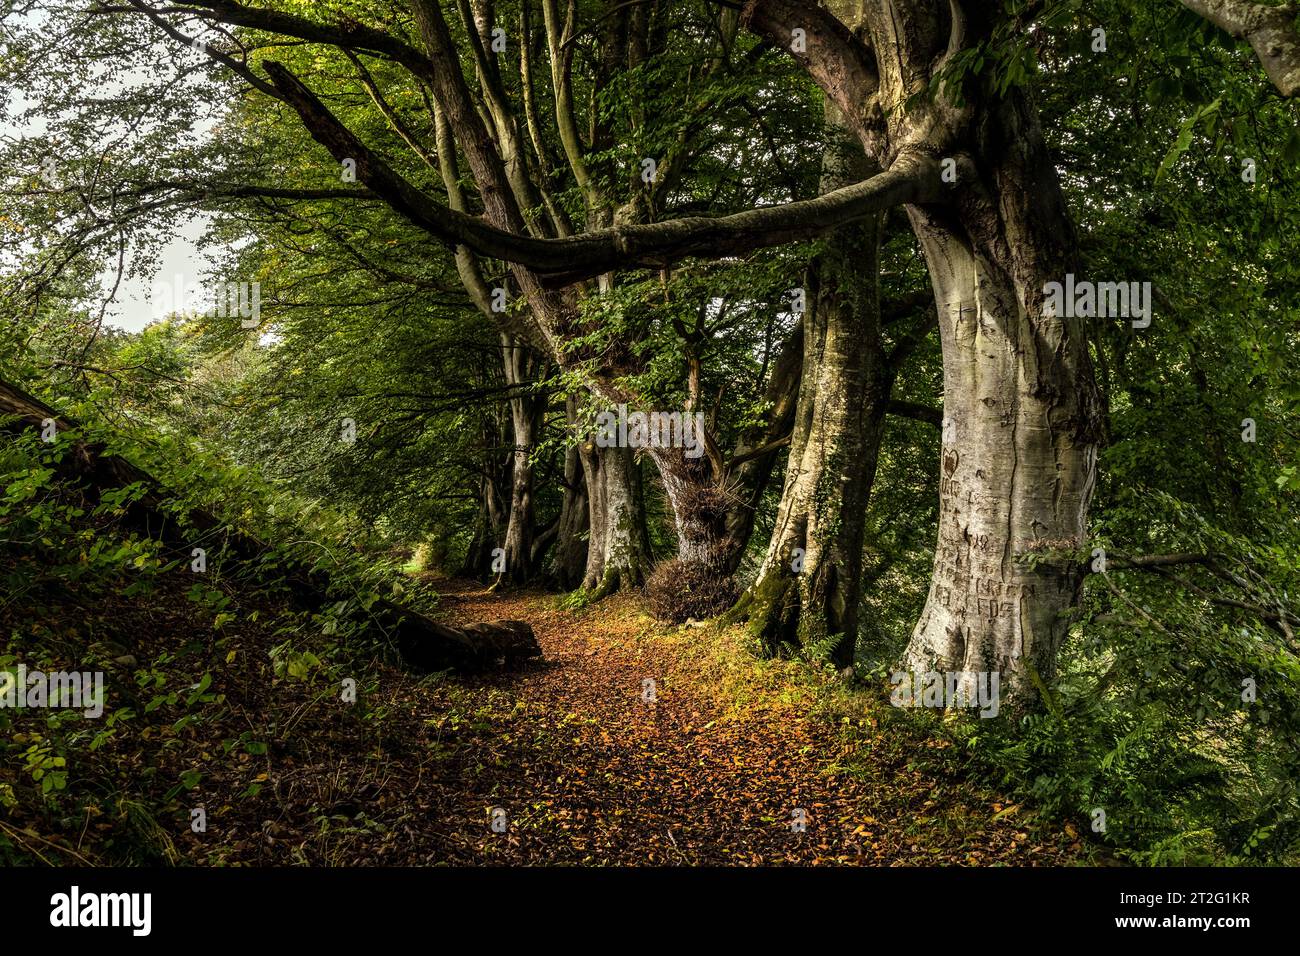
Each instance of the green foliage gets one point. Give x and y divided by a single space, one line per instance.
70 565
1146 720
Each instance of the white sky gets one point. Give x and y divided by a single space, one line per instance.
179 260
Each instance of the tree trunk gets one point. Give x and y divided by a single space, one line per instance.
526 411
1021 420
568 562
618 547
700 508
807 589
714 501
756 453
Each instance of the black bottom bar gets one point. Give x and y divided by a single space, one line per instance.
945 906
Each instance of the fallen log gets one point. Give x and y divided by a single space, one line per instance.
473 648
423 643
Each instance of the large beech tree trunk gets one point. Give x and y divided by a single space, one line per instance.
807 589
618 546
1021 419
832 464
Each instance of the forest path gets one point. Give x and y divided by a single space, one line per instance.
584 769
714 771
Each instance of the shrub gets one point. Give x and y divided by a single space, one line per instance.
678 590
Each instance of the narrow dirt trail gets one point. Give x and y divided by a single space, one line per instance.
587 770
582 766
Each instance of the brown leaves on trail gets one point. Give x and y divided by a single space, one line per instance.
598 774
627 745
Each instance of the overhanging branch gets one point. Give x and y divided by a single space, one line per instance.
1273 32
916 411
912 179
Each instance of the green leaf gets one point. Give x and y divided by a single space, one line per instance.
204 683
1184 140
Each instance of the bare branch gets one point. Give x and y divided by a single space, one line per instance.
916 411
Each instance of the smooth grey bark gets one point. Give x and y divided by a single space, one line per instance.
618 547
550 263
568 563
1017 471
522 370
1021 415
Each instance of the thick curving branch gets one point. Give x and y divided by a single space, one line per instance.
1273 32
348 36
913 178
841 63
